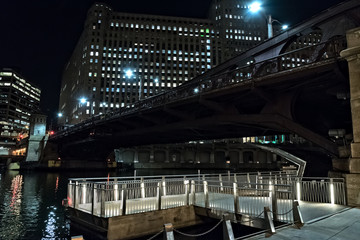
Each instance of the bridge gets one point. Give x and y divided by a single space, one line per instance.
303 81
295 82
114 207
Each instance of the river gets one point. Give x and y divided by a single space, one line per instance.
30 202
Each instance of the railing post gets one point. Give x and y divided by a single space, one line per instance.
229 176
74 199
158 195
228 233
142 186
297 217
248 179
235 177
123 199
92 198
168 231
221 183
274 202
102 207
163 187
236 198
193 192
187 192
269 222
206 194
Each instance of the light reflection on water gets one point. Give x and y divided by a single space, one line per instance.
30 202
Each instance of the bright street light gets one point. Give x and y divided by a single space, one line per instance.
60 114
129 73
256 7
82 100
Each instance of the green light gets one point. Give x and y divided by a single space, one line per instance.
207 30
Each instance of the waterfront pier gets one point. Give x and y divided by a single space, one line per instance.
126 208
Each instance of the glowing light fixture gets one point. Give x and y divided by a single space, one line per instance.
255 7
82 100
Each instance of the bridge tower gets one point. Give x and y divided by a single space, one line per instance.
351 166
37 137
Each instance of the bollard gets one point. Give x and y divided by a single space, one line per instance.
269 222
206 194
168 231
228 233
123 199
297 217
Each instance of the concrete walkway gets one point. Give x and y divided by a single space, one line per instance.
342 225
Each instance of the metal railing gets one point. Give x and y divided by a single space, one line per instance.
245 194
315 53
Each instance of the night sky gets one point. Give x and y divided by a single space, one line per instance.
38 36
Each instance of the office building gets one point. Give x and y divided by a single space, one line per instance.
122 57
18 100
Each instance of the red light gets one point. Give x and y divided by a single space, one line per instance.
21 136
52 132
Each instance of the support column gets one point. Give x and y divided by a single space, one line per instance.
352 165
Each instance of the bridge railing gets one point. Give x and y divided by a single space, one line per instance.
321 51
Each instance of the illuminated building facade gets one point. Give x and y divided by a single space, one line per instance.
18 100
123 57
239 29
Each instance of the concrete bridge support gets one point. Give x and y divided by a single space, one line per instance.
352 165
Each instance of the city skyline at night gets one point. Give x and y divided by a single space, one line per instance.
39 36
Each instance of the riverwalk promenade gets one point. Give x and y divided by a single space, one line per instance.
341 225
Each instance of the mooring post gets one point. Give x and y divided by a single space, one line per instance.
206 194
168 231
269 222
123 199
298 220
228 233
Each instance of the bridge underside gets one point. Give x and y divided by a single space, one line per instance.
304 101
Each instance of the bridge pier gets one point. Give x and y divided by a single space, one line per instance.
352 165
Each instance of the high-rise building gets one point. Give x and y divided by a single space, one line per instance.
18 100
121 57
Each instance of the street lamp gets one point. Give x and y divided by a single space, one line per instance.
129 73
256 7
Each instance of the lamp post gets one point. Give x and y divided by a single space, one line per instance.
129 73
256 7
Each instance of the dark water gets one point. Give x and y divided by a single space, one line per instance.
30 202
